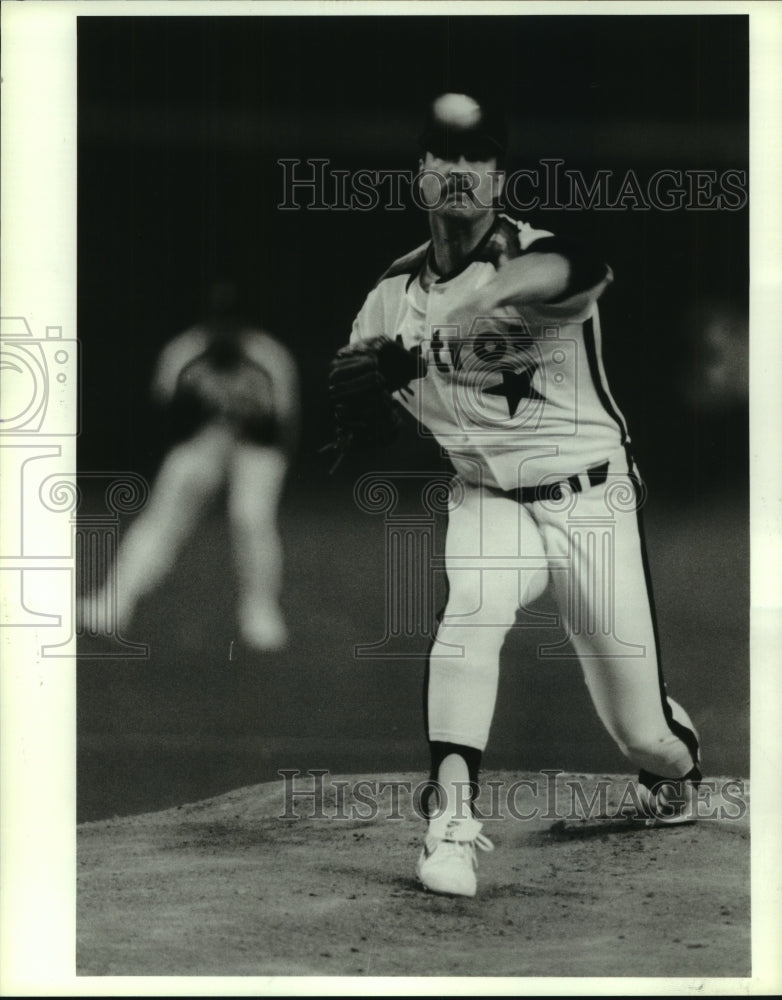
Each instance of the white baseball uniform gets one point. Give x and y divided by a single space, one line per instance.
545 492
232 398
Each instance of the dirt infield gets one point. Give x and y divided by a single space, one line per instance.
227 887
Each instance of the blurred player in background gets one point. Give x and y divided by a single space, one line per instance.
230 393
489 335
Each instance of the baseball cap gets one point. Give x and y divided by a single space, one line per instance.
457 123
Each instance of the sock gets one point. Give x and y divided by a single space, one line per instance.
653 781
451 763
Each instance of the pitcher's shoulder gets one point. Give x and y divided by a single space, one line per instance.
407 265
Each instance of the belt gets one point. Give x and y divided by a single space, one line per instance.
595 476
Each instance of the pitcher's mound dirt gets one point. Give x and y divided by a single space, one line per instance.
229 886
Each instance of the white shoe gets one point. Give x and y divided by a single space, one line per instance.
447 863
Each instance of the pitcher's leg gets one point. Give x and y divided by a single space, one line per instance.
495 562
606 600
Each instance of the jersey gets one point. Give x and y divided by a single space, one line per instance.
521 398
245 380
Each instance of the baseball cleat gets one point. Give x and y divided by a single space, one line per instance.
669 803
448 863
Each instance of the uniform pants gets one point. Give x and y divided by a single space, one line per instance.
190 478
501 555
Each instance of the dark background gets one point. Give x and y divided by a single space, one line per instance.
181 125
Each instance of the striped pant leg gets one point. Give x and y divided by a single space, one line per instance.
604 594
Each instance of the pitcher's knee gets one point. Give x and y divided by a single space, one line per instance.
481 607
479 644
650 746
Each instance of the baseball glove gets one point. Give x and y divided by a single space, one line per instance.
362 379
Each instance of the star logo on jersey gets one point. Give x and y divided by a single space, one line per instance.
516 386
